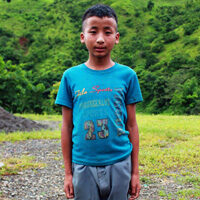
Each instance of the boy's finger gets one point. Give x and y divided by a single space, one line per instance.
67 192
132 197
133 189
71 190
137 192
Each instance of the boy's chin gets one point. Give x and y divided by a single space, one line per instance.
100 55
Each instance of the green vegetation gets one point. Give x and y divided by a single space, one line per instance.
13 165
39 117
18 136
170 147
159 40
169 144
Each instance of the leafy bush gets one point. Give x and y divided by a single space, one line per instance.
189 28
157 47
137 13
14 84
177 61
186 98
170 37
191 41
150 5
52 96
170 26
151 59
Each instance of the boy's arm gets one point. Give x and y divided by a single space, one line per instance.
66 144
132 127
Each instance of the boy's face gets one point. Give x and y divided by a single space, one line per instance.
99 35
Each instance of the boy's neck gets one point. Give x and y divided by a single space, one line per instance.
99 63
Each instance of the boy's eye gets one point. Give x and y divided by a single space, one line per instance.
93 32
107 32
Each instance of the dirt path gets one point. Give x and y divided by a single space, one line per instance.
47 183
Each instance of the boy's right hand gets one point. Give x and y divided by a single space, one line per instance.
68 187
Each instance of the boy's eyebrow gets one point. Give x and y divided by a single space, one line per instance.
93 27
107 27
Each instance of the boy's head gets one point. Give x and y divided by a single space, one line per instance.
99 10
99 30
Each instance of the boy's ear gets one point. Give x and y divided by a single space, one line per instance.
82 38
117 38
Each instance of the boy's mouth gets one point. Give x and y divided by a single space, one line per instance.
99 49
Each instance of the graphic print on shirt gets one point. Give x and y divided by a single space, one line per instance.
95 89
89 125
118 110
103 123
103 133
94 103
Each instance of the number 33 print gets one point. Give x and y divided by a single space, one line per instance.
103 133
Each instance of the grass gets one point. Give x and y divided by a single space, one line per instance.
40 117
169 147
13 165
19 136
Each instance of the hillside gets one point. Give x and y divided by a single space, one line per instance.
159 40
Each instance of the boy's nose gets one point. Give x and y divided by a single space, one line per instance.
100 39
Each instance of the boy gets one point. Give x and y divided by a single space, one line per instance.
99 126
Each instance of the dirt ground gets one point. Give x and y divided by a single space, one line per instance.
11 123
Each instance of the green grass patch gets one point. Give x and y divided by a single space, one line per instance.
39 117
162 193
186 194
146 180
170 147
14 165
181 156
190 179
19 136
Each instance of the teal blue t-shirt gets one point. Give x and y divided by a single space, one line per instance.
98 99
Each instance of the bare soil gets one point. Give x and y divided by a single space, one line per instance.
11 123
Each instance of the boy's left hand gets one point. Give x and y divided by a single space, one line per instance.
135 187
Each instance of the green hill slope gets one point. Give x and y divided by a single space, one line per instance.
159 39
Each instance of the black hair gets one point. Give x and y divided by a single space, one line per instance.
99 10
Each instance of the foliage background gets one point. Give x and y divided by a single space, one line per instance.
39 40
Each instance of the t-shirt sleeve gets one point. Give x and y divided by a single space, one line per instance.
64 95
134 94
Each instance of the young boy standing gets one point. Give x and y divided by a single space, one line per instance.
99 136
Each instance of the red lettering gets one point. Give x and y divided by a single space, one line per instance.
101 90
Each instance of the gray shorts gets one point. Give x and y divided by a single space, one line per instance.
109 182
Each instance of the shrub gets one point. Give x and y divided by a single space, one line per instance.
177 61
157 47
170 26
189 28
191 41
52 96
170 37
151 59
137 13
186 98
150 5
13 87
